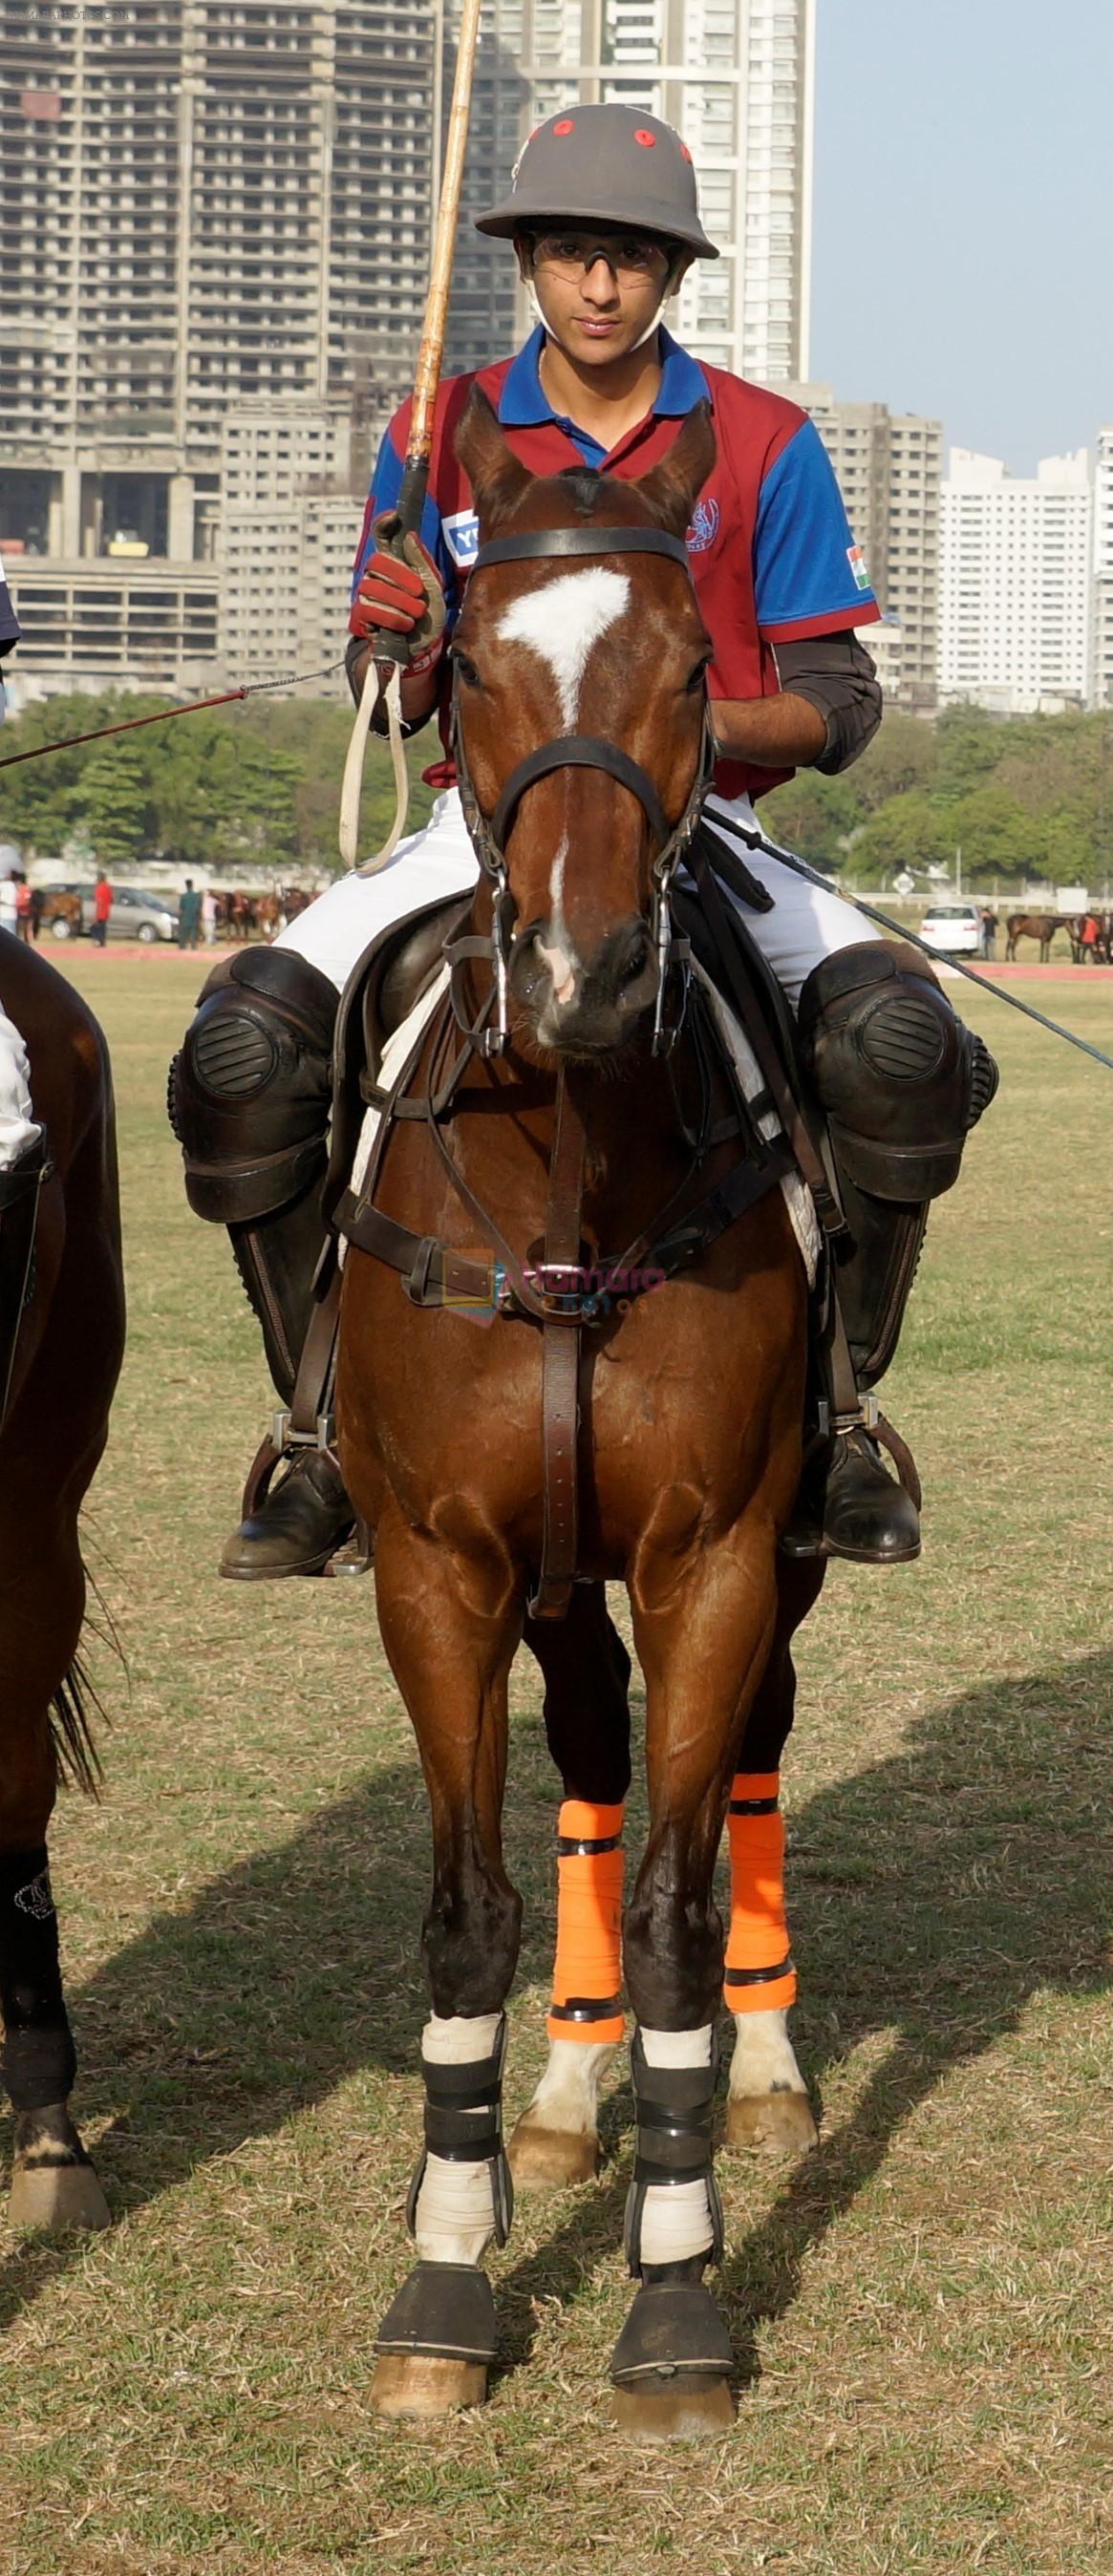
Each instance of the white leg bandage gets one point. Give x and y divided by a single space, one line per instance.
454 2220
676 2218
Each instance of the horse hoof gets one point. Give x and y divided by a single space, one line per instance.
57 2197
551 2159
696 2410
772 2124
421 2388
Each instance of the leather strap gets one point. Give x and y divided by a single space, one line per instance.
560 1369
579 751
748 1012
580 541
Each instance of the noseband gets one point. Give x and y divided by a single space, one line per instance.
573 751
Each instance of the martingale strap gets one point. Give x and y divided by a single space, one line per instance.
560 1369
433 1274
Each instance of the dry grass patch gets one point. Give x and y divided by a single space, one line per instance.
921 2314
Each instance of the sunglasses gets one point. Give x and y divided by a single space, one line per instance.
573 255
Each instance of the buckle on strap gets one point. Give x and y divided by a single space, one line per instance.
286 1437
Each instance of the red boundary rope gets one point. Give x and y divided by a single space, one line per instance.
250 689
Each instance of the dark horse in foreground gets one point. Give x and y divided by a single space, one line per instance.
61 1343
691 1406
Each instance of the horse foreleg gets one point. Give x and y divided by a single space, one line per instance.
767 2104
450 1622
41 1605
703 1625
587 1722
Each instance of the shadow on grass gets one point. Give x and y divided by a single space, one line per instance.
930 1896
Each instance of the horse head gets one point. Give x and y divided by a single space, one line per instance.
580 682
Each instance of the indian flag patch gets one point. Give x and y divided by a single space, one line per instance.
857 563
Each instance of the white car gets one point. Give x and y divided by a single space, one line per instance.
954 928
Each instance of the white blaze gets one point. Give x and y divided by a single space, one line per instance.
561 621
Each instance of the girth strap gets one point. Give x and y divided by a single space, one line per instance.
560 1369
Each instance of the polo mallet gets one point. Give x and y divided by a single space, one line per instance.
406 519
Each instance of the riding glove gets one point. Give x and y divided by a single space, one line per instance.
400 592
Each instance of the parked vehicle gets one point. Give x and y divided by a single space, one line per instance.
953 928
134 915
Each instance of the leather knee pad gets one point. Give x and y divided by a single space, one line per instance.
250 1092
901 1079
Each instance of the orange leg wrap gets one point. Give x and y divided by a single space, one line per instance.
760 1976
587 1973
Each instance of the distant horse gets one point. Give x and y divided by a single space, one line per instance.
689 1449
61 908
1034 925
61 1343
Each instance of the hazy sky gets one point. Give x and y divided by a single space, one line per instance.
963 242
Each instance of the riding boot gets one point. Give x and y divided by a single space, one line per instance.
297 1515
849 1504
901 1082
249 1101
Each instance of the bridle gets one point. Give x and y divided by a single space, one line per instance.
488 1032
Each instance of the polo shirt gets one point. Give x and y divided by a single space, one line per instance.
770 548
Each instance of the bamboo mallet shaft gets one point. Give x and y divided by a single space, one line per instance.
415 474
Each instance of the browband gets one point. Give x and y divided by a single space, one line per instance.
580 541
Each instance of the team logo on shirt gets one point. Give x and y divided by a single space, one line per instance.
857 563
461 536
704 528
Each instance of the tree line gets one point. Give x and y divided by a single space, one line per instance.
258 785
1027 797
240 788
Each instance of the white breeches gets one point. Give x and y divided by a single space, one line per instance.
805 925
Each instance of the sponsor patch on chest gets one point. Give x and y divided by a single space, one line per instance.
461 536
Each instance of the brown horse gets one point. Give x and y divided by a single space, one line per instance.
61 1343
689 1439
1034 925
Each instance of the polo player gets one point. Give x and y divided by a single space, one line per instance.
603 217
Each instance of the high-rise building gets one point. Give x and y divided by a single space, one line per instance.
737 78
207 205
1101 669
889 466
212 206
1015 623
483 306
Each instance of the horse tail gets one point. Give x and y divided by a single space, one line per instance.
72 1710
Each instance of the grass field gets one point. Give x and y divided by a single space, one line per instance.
922 2313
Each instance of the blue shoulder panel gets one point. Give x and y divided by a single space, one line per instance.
806 564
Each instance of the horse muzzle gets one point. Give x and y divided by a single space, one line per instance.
584 1009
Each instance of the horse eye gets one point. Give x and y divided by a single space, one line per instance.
467 671
696 676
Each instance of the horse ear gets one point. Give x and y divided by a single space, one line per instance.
497 477
673 487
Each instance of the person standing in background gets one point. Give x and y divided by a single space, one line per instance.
22 906
189 916
208 916
102 906
989 933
